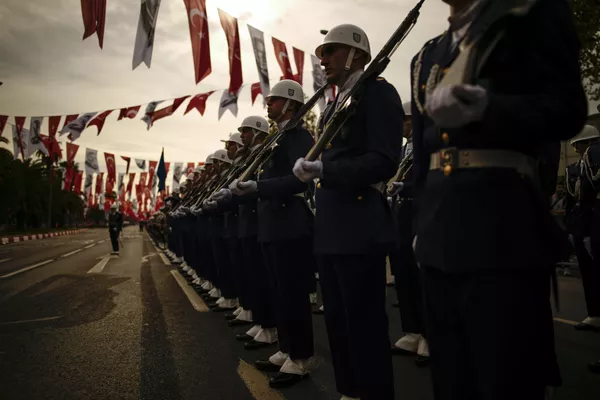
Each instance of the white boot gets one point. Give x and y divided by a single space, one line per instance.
245 315
297 367
228 303
409 342
592 321
221 300
238 311
279 358
254 330
178 260
267 335
349 398
423 349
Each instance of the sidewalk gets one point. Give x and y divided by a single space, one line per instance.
23 238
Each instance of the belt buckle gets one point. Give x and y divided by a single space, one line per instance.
448 160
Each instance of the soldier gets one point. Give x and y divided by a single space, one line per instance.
353 228
580 211
402 259
115 226
285 227
484 235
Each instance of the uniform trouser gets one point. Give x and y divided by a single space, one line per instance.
353 289
590 275
289 266
224 268
114 239
483 327
238 269
408 288
258 284
207 260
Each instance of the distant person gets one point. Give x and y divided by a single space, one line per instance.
115 226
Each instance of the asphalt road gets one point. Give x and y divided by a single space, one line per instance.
88 325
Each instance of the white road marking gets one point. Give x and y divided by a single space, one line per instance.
30 320
101 241
193 297
26 269
161 254
71 253
89 245
6 259
100 266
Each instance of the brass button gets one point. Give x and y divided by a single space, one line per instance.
319 185
261 171
447 170
423 86
359 198
446 156
445 137
329 145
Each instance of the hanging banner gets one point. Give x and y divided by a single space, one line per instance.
229 102
199 35
19 122
255 90
128 161
121 186
283 59
198 102
94 17
87 186
71 152
77 182
130 184
128 112
167 111
144 40
53 123
190 168
319 79
35 139
151 174
74 128
147 118
99 120
230 26
260 55
19 144
299 60
91 161
177 172
3 119
111 167
99 181
141 164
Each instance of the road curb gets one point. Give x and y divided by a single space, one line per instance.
26 238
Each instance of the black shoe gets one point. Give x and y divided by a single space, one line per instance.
397 351
253 345
238 322
594 367
242 337
212 305
266 366
230 317
222 309
421 361
318 312
283 380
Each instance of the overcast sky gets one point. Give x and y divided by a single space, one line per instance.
48 70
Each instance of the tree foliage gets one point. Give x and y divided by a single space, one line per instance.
587 22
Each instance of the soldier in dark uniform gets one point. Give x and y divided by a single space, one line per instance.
285 229
115 226
484 235
354 228
402 259
581 212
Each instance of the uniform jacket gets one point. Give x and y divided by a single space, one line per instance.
282 214
573 209
495 218
352 217
115 221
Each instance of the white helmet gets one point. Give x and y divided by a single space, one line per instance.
350 35
235 138
209 160
587 133
221 155
190 176
287 89
407 108
113 206
183 184
255 122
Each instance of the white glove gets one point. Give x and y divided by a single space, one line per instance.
572 239
396 188
587 243
457 105
170 229
197 211
241 188
222 195
306 171
209 204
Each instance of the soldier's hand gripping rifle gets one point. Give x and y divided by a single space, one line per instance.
375 68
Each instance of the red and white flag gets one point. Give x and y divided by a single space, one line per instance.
3 119
299 60
199 35
128 112
99 120
111 175
94 17
19 122
53 123
77 182
190 168
167 111
147 118
230 26
255 90
283 59
198 102
260 56
99 181
69 119
130 184
35 137
77 126
144 40
71 152
128 161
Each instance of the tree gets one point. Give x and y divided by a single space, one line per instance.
586 17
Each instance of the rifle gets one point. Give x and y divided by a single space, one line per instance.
375 68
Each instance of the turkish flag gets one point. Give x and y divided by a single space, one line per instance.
152 170
94 18
130 183
53 123
111 167
99 179
69 173
77 182
3 119
198 102
143 176
190 168
71 152
99 120
167 111
52 146
19 122
69 119
256 90
283 59
127 160
128 112
299 59
198 23
230 26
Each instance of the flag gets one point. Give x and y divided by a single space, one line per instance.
53 123
151 173
71 152
260 55
19 122
70 118
147 118
130 184
230 26
99 120
128 112
3 119
127 160
255 90
229 102
94 16
283 59
53 147
144 41
190 168
99 181
77 126
87 186
319 79
167 111
299 60
199 35
141 164
143 177
161 172
111 175
35 138
198 102
121 187
19 145
177 172
91 161
77 182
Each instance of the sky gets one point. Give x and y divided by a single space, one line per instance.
48 70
